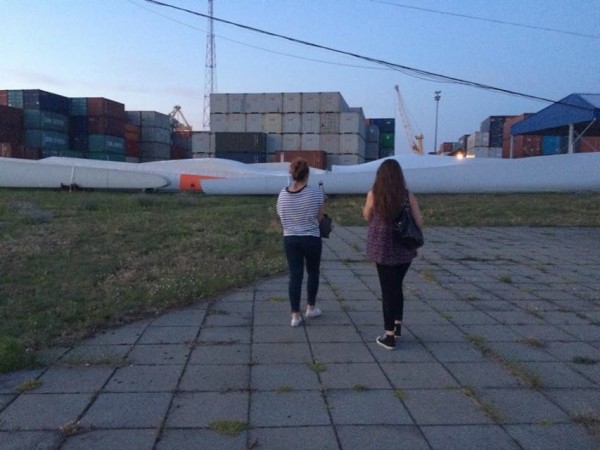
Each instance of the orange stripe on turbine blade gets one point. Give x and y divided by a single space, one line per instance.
193 182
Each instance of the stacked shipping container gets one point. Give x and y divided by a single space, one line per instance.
295 122
155 134
523 145
11 132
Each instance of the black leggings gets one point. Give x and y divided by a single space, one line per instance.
391 279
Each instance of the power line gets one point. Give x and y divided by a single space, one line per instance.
484 19
398 67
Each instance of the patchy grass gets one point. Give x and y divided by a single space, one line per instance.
13 354
534 342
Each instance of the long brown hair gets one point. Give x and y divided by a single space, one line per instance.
389 189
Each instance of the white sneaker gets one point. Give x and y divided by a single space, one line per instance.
296 322
316 312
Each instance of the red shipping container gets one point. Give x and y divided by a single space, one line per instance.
4 97
99 106
589 144
314 158
106 125
132 147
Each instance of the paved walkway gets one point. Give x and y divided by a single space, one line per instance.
501 350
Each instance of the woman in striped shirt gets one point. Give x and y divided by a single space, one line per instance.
300 208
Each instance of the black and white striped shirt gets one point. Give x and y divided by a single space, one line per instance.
299 211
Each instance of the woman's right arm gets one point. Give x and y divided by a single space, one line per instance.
368 208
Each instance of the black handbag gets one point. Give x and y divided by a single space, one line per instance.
405 229
326 223
325 226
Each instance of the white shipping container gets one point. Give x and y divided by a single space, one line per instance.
353 122
218 103
218 123
254 103
329 143
291 142
309 142
311 102
292 123
236 123
329 123
333 102
274 103
292 102
254 123
201 142
272 123
352 144
273 143
235 103
310 123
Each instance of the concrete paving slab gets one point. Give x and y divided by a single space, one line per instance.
443 407
518 406
43 411
201 409
355 376
401 437
371 407
193 439
221 353
136 439
127 410
555 437
293 438
220 378
176 354
21 440
74 379
144 378
469 437
418 375
341 352
284 377
286 409
281 353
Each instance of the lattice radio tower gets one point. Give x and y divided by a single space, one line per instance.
210 66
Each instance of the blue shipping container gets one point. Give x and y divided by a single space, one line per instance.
46 140
78 106
46 101
35 119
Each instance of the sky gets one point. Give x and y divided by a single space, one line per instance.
152 57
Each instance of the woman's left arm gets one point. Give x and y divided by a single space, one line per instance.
368 208
416 211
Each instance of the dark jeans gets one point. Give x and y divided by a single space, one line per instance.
391 279
299 249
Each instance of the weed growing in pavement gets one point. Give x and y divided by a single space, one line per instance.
530 380
283 389
29 385
359 388
488 409
591 420
400 394
228 427
317 367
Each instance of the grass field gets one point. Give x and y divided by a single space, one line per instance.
75 263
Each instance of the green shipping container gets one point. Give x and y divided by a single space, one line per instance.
104 156
386 140
35 119
103 143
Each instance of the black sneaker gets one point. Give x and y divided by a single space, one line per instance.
398 331
387 341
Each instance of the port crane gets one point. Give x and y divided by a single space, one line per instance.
415 142
180 123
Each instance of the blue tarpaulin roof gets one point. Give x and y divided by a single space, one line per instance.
577 109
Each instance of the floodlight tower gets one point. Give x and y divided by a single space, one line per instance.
210 66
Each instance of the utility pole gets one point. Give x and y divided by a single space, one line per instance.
437 104
210 66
